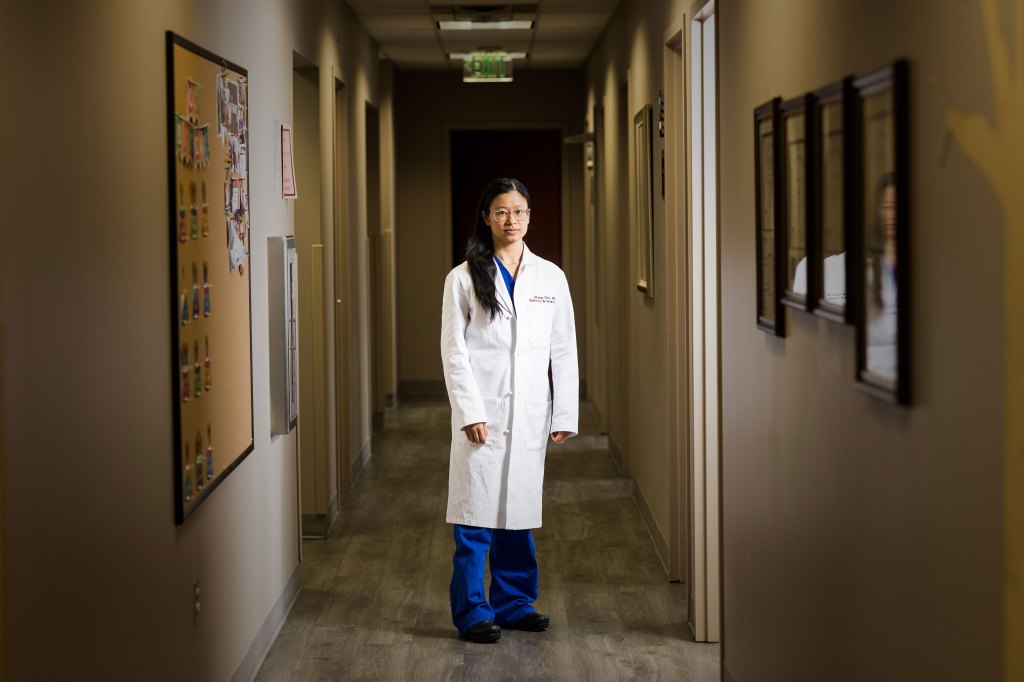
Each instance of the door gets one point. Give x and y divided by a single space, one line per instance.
317 477
376 270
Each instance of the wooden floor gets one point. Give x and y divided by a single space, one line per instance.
374 600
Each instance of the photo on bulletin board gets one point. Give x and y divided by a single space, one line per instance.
796 173
767 218
833 205
883 255
211 337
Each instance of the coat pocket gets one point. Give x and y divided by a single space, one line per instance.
538 414
495 408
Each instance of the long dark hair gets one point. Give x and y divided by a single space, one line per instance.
480 249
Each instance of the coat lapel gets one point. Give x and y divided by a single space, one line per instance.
499 286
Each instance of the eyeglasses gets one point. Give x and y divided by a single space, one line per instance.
502 215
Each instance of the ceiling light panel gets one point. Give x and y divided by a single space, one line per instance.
504 25
516 46
485 37
462 56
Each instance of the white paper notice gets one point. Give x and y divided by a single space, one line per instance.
236 249
288 188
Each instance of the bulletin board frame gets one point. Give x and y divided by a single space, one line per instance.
208 191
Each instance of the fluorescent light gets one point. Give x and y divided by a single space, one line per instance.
467 55
509 25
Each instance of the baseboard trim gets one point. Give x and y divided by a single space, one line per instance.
268 632
616 453
417 388
360 463
660 544
319 525
727 674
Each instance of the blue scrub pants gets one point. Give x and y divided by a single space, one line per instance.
514 576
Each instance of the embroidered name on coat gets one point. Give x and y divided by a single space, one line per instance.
542 299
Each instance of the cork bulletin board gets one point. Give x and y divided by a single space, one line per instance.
207 102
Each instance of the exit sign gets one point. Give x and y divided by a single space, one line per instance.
487 67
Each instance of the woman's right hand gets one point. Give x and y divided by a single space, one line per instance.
476 433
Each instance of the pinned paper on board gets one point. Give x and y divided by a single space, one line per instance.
288 187
236 249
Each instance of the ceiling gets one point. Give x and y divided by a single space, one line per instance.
563 32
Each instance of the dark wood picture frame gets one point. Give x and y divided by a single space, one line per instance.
767 217
207 131
643 145
796 135
833 224
883 240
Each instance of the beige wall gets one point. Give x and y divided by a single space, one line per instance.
632 395
863 540
427 106
98 578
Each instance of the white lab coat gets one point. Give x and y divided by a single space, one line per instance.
497 372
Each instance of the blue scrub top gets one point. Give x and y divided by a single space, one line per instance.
510 282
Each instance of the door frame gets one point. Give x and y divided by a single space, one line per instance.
676 296
704 414
339 131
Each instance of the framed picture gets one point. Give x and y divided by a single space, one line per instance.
883 267
831 226
767 218
642 156
208 234
796 172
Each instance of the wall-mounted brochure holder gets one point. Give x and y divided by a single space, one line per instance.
284 342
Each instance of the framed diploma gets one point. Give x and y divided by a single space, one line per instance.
796 172
883 226
831 225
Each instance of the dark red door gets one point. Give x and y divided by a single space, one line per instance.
532 156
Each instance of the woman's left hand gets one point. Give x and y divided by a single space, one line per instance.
559 436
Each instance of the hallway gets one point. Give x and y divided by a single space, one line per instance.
374 599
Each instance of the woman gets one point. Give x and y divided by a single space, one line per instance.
505 319
881 335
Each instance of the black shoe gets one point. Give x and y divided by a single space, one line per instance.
484 632
531 622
